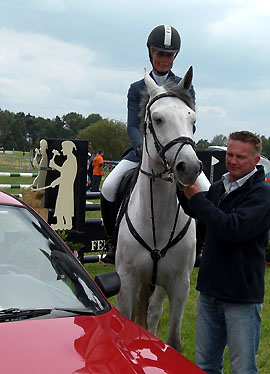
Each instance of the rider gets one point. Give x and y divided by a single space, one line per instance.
163 45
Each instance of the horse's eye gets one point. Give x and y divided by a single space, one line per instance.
158 120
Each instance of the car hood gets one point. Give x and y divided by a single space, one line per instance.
104 344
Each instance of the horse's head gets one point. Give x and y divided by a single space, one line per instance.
168 129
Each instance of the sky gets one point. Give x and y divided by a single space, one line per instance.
62 56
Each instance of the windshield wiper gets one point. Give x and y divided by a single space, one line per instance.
81 312
13 314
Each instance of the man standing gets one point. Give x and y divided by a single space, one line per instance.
236 213
97 170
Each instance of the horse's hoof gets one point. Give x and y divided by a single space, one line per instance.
176 345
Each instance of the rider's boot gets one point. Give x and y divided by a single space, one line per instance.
109 213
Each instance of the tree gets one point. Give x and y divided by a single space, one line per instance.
220 139
19 133
265 146
7 120
202 144
109 135
92 118
32 130
72 123
57 129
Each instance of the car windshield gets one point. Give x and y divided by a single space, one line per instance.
37 270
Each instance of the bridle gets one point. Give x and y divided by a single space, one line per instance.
162 149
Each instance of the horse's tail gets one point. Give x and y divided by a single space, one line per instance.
143 303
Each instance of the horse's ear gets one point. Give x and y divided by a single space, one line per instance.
186 81
150 84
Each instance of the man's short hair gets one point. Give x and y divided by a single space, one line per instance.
100 151
247 137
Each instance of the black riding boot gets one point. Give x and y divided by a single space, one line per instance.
109 214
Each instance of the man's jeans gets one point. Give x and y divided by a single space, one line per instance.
220 323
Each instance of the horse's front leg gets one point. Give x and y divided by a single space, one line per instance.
126 298
178 295
155 309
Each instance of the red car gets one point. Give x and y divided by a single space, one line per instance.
54 319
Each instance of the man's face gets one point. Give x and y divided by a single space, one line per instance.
240 159
162 61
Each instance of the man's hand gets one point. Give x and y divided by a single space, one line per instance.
191 190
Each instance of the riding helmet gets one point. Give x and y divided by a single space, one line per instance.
164 38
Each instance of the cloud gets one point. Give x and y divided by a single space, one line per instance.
49 5
222 110
247 21
55 77
58 56
212 110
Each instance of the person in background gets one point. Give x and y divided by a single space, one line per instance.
90 156
163 46
97 171
236 213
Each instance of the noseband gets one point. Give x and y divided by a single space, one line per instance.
162 149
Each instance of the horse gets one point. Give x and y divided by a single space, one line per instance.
156 239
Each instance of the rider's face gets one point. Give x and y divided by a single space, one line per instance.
162 61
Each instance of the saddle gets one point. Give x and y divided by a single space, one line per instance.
123 194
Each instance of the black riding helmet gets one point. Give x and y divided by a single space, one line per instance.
164 38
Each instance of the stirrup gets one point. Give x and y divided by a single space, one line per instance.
109 248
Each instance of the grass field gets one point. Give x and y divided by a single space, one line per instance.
189 321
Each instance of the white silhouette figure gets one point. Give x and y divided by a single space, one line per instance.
64 207
42 165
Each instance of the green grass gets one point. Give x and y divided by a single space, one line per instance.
15 162
189 321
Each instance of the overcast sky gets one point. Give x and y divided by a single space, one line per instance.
61 56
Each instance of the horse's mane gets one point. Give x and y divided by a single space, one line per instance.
172 88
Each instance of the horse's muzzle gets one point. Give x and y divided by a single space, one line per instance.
186 173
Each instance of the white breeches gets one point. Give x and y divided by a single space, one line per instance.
113 180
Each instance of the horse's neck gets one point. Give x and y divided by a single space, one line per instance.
162 192
161 212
